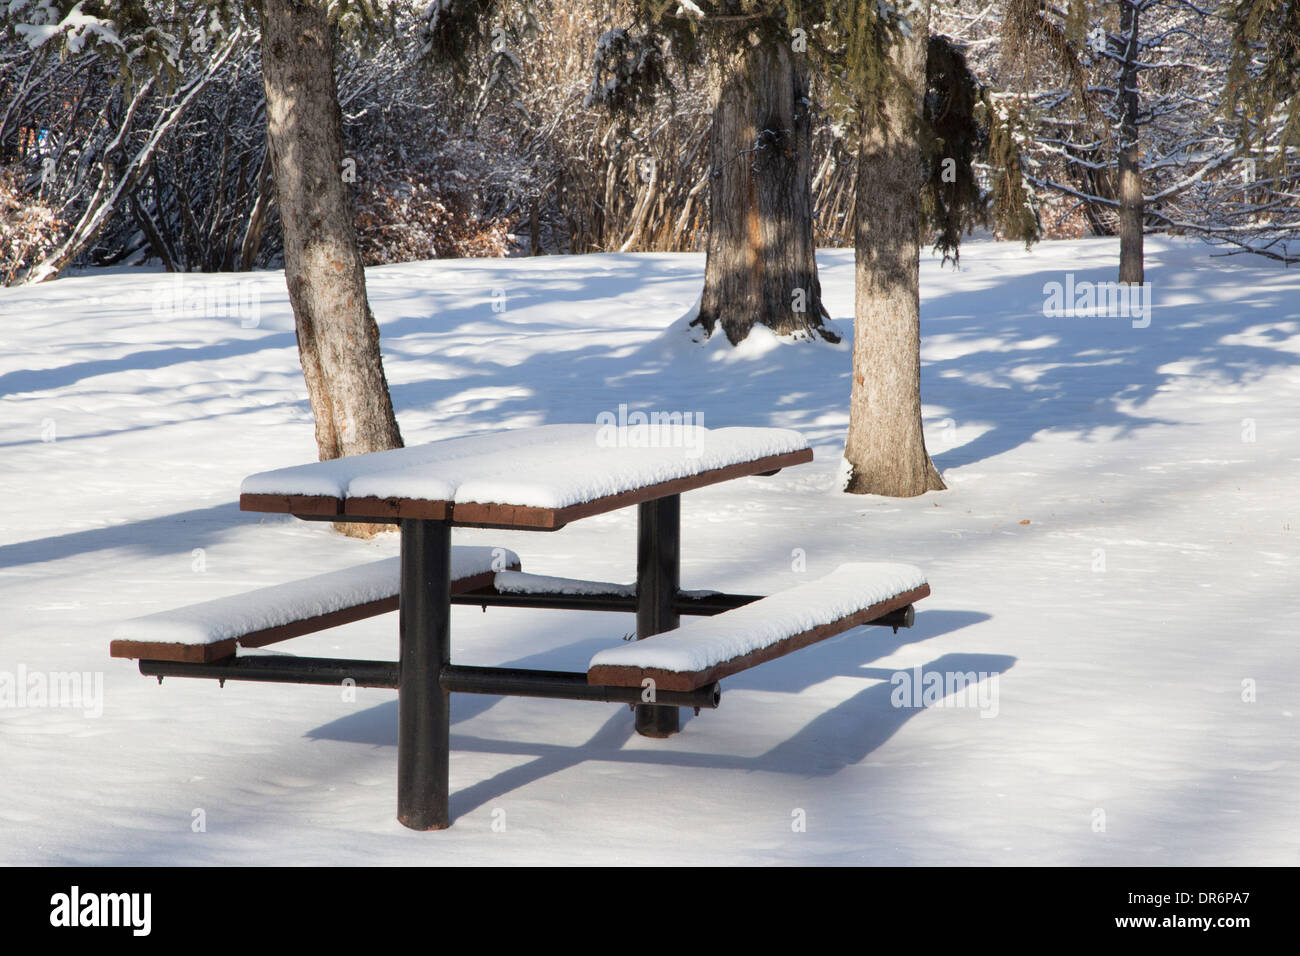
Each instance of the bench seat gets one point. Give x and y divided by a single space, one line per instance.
212 630
705 650
518 582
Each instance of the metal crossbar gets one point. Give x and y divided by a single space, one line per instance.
453 678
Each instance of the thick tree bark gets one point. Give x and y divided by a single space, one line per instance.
1130 171
885 449
762 264
338 339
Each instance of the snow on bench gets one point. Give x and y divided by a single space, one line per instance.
211 630
537 477
705 650
518 582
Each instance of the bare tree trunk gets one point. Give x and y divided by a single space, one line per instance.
1130 171
762 264
338 339
252 241
885 449
534 229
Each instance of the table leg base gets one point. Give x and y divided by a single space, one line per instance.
657 720
423 706
658 581
423 825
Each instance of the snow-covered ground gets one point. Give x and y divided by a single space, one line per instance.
1117 554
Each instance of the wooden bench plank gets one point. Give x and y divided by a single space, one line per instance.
286 603
517 582
160 651
706 650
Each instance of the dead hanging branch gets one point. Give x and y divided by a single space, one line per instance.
627 73
951 139
118 178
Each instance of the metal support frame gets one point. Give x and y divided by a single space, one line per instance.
454 679
425 678
564 685
281 669
424 706
658 574
706 605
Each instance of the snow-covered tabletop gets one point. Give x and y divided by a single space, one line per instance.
539 477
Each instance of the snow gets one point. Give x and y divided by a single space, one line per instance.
551 466
703 643
521 582
222 618
1143 623
78 26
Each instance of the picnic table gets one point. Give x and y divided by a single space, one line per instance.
531 479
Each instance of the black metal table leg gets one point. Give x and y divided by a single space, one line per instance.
658 573
424 712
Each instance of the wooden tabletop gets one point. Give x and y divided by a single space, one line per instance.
528 478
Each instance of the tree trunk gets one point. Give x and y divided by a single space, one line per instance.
762 264
1130 171
534 229
885 449
338 339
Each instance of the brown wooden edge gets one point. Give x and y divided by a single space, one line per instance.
514 517
396 508
205 653
511 516
550 519
620 676
190 653
292 504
